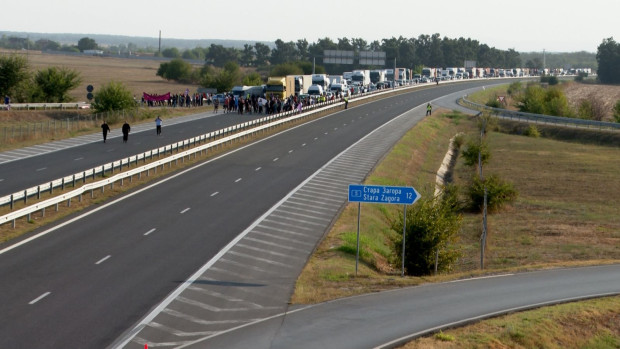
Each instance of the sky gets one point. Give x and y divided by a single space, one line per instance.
522 25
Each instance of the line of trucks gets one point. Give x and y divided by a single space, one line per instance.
361 80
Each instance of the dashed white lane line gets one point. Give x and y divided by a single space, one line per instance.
148 232
41 169
103 259
185 210
39 298
258 169
276 159
217 192
303 145
237 180
78 159
290 151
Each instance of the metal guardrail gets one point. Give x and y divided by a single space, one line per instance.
228 134
539 118
47 106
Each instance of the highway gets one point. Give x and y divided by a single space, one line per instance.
234 231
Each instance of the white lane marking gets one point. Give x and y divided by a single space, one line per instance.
1 179
185 210
238 180
41 169
78 159
290 151
217 192
276 159
258 169
148 232
39 298
303 145
103 259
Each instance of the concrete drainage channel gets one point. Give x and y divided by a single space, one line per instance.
252 278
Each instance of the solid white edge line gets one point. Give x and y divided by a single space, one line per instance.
39 298
103 259
150 231
185 210
489 315
158 309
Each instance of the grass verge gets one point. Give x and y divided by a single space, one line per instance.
588 324
565 215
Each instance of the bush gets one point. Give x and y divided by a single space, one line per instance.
458 141
112 97
432 226
532 131
617 111
493 102
470 154
499 193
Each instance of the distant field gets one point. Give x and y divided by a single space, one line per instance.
138 75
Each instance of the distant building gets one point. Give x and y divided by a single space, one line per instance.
93 52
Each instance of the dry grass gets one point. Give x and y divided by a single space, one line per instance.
139 75
563 215
588 324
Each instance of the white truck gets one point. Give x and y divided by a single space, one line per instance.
302 83
321 80
340 89
315 90
429 73
361 77
377 76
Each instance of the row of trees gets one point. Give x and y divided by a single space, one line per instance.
51 84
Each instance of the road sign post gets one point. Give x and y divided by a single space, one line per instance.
385 195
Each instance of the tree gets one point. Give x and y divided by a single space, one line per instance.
219 55
55 83
608 58
113 96
247 55
253 79
284 52
432 226
285 69
177 70
13 71
86 44
263 53
171 52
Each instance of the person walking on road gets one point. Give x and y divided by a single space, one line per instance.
158 125
7 102
105 129
126 128
346 102
429 109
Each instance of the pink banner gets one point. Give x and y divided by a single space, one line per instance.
156 98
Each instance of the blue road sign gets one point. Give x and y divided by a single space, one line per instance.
382 194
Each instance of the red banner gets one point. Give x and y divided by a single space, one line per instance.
156 98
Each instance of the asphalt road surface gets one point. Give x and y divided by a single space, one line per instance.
253 216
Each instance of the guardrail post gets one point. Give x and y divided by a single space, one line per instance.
69 202
38 192
43 212
63 183
83 177
56 207
12 201
80 198
25 196
73 180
